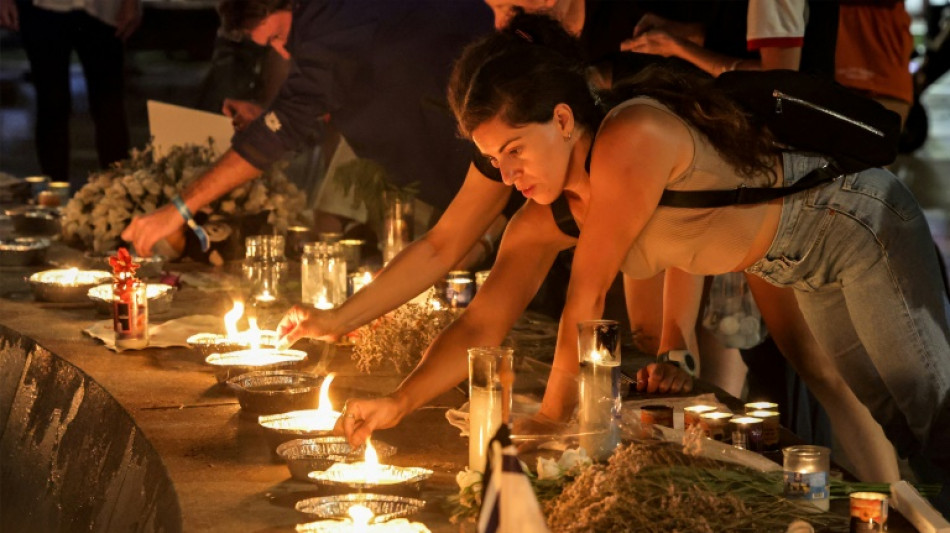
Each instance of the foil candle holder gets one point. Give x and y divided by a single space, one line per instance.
159 297
598 343
267 392
209 343
232 364
320 453
385 507
361 520
369 473
306 423
66 285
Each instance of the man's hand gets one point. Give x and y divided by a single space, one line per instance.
242 112
361 417
656 41
663 378
146 230
127 19
9 15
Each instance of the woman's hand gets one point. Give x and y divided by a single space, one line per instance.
302 322
361 417
663 378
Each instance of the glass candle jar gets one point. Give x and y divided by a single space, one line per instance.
490 378
323 275
747 432
130 314
691 414
806 474
598 343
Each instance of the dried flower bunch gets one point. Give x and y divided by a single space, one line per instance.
98 212
400 337
654 487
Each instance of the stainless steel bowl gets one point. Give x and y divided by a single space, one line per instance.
23 251
308 455
31 220
268 392
385 507
47 290
159 295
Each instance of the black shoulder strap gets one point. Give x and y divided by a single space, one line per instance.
746 195
563 217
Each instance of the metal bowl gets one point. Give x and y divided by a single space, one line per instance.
211 343
385 507
31 220
159 298
232 364
307 455
267 392
23 251
149 267
392 476
284 427
45 290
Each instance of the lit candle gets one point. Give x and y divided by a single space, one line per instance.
598 347
369 472
322 303
747 433
360 521
360 279
691 414
323 418
761 406
714 424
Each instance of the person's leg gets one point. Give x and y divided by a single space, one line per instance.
46 37
102 56
862 439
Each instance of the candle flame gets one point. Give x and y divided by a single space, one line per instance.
323 303
253 335
325 405
436 305
70 276
599 356
370 457
231 318
360 514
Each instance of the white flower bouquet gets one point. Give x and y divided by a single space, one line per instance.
96 215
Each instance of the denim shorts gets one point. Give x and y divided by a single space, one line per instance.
859 254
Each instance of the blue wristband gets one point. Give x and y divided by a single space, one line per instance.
190 222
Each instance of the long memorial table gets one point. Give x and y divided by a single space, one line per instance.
91 439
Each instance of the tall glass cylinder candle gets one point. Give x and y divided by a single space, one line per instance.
490 377
598 343
323 275
806 474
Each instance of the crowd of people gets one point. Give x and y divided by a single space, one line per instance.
592 109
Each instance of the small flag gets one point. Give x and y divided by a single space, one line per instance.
509 504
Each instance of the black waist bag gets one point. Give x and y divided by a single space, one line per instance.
809 114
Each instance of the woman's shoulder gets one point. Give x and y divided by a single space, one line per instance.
641 120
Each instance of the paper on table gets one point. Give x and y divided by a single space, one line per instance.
171 333
171 125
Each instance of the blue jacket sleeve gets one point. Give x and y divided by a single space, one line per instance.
329 44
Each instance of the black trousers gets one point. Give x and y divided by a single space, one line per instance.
49 38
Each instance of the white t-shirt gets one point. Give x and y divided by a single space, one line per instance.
776 23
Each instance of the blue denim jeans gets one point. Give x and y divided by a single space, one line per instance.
859 254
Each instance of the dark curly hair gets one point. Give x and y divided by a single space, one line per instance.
522 72
244 15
